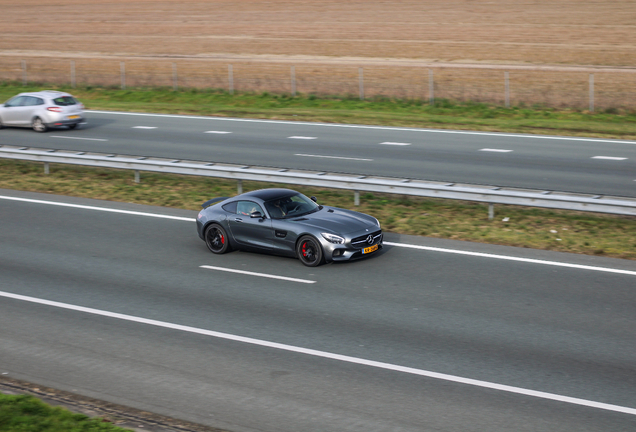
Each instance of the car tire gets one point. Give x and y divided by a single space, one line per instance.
38 125
216 239
309 251
73 126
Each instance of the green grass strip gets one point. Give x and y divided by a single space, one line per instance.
444 114
24 413
567 231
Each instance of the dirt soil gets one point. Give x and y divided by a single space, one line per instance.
549 47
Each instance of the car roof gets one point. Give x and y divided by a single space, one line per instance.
46 93
268 194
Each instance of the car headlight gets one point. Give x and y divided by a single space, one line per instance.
332 238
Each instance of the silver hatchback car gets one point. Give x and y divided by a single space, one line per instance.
42 110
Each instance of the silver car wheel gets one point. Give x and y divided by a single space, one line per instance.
38 125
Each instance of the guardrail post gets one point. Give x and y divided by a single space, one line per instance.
491 211
137 180
46 168
356 198
239 186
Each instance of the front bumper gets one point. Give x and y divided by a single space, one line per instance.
352 251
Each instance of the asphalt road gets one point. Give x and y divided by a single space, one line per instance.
137 321
583 165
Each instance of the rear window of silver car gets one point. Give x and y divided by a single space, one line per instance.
64 101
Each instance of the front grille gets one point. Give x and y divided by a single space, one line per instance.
362 240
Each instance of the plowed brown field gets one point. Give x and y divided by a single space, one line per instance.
549 47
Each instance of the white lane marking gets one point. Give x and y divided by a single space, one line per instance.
104 209
609 158
302 137
144 127
395 143
429 248
78 138
511 258
495 150
265 275
218 132
328 355
442 131
334 157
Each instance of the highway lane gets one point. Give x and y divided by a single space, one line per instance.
565 331
539 162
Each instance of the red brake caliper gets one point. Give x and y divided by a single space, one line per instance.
304 250
222 239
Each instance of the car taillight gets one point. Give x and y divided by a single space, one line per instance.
54 109
82 106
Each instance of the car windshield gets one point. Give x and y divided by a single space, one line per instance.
64 101
290 206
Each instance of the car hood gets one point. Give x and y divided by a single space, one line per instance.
336 220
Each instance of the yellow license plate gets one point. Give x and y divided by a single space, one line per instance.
73 117
370 249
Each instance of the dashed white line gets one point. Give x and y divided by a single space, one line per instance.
78 138
395 143
302 137
217 132
334 157
441 131
495 150
609 158
328 355
265 275
144 127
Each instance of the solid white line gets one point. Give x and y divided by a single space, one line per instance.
328 355
265 275
495 150
609 157
302 137
442 131
104 209
218 132
395 143
78 138
334 157
144 127
510 258
433 249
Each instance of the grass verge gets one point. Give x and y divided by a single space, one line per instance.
566 231
444 114
26 413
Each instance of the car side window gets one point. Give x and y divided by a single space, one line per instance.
16 101
246 208
64 101
230 207
30 101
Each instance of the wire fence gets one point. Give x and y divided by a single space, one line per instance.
581 89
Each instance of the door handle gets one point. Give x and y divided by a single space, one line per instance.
238 220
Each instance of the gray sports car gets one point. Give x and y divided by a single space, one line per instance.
286 222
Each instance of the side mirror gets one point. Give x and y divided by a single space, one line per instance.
257 215
314 199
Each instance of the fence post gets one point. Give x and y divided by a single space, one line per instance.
175 77
230 73
361 79
73 73
122 69
507 81
24 73
431 87
591 92
293 80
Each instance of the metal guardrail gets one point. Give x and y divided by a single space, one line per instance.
465 192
